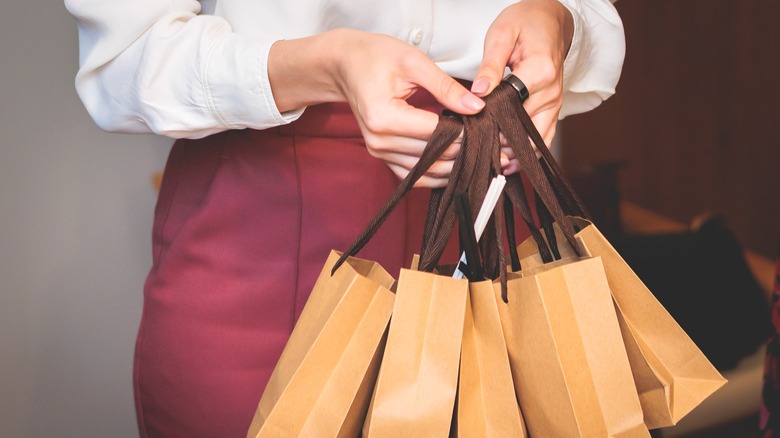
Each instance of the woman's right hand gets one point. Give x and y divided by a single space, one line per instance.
374 74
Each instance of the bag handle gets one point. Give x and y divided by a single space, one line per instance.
516 195
560 184
506 109
440 220
509 220
472 171
447 130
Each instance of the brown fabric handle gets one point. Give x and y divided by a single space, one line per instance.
571 202
471 173
507 109
430 217
477 162
509 220
516 193
447 130
441 217
546 220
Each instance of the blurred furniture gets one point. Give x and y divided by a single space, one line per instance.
635 219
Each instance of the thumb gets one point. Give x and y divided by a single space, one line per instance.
498 49
448 91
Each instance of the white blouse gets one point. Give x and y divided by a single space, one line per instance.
171 68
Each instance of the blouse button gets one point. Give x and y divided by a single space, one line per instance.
417 36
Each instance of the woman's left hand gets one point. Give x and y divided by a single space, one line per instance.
532 38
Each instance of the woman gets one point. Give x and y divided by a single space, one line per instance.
281 110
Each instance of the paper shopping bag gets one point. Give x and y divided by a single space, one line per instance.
322 383
670 372
415 390
486 405
672 375
570 367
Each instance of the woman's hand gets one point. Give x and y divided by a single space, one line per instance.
532 38
375 74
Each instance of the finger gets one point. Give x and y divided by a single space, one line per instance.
499 44
401 120
509 164
512 167
543 81
507 154
545 123
386 145
382 145
424 181
445 89
398 119
439 169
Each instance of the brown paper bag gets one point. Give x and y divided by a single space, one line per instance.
487 405
415 391
570 368
672 375
322 383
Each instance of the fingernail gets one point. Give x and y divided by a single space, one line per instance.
472 102
480 86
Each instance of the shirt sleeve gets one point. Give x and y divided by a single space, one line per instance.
595 59
157 66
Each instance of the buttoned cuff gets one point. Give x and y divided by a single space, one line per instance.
237 87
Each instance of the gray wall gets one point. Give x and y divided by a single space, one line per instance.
75 217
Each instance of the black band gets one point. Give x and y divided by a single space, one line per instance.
518 85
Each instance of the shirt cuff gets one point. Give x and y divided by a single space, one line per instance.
572 57
594 62
237 87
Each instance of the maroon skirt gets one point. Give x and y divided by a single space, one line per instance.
244 222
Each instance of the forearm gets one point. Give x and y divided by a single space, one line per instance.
303 71
149 66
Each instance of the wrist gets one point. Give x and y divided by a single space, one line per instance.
566 21
302 71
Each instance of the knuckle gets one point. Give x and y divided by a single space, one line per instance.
500 36
431 182
547 72
451 152
375 145
438 171
400 172
491 69
375 121
373 150
448 87
408 62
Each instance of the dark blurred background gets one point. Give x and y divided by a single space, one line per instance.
696 115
